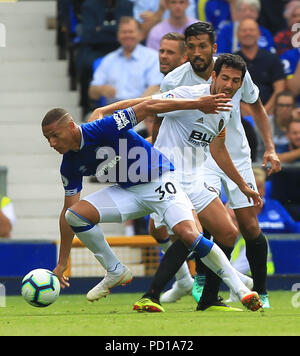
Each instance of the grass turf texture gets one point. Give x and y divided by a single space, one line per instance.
113 316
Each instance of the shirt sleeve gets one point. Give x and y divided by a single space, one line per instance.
289 65
183 92
250 92
111 126
167 83
153 75
72 182
100 74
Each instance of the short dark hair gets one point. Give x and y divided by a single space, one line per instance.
284 93
230 60
201 28
54 115
175 36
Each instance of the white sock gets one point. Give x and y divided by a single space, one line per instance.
95 241
219 264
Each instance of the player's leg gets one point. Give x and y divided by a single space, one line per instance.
210 254
256 242
180 221
225 233
256 249
84 217
183 281
212 181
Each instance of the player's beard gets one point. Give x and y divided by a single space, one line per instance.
202 66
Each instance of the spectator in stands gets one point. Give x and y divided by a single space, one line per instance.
129 72
217 12
291 64
265 68
99 36
283 39
272 217
151 12
177 22
271 15
285 185
296 114
290 152
227 40
283 115
171 52
7 216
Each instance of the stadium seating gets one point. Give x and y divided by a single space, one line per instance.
33 81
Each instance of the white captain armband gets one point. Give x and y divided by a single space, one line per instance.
71 192
124 117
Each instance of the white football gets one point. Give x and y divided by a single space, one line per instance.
40 287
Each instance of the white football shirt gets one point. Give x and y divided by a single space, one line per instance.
184 135
236 140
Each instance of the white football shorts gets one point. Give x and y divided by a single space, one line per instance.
236 198
200 194
163 196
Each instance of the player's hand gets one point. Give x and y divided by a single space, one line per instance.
213 104
59 272
271 156
252 195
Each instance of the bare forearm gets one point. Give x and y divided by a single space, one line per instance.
67 236
263 123
289 157
120 105
155 106
224 161
293 84
96 91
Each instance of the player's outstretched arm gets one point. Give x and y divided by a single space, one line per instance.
66 238
220 154
156 106
99 113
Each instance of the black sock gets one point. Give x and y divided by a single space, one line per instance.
257 253
200 266
172 260
212 281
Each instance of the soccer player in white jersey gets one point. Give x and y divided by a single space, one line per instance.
200 48
197 131
109 147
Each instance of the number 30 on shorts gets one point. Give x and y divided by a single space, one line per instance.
168 187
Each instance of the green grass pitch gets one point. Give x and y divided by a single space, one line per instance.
113 316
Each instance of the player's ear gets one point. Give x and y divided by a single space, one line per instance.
71 125
215 47
213 76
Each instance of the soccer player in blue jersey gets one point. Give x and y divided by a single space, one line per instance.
145 184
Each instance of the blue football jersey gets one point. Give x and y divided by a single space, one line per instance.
115 153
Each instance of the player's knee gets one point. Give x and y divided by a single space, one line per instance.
228 236
187 231
159 234
250 230
77 222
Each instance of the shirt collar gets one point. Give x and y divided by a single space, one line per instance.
82 138
135 53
